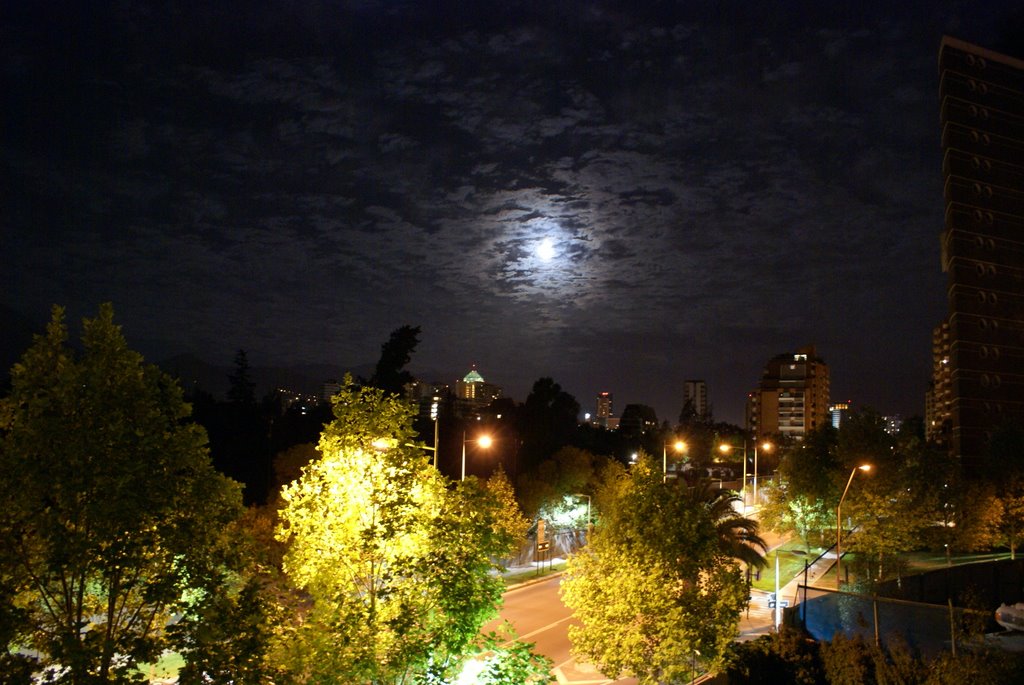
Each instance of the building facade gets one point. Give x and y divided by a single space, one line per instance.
839 411
793 396
603 409
982 118
473 393
937 413
695 396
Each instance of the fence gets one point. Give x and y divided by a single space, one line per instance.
928 628
562 544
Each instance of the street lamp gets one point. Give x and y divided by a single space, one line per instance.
483 441
679 446
434 415
765 447
839 523
725 448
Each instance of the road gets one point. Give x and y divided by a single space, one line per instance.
536 612
538 615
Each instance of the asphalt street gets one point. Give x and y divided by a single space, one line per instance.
538 615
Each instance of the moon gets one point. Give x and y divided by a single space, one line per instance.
546 250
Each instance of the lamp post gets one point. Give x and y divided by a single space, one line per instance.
839 524
483 441
579 494
435 414
725 448
765 447
436 435
679 446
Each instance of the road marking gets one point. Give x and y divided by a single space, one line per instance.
539 630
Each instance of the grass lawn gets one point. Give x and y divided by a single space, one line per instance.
792 556
165 669
916 562
919 562
514 578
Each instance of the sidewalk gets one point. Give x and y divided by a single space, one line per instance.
529 574
759 619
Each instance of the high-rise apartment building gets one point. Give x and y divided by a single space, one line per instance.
603 411
695 397
982 117
793 397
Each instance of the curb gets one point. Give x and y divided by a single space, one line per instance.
533 581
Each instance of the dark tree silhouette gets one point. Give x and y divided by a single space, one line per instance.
390 374
547 421
242 390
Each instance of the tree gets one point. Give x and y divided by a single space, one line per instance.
888 522
397 564
241 389
547 421
288 464
737 535
653 588
893 505
113 516
1011 522
509 517
569 471
233 635
786 656
390 374
804 497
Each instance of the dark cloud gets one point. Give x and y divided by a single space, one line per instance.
720 182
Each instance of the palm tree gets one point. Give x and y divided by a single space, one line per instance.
737 535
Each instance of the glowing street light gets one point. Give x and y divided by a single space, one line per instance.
679 446
839 523
766 447
725 448
482 441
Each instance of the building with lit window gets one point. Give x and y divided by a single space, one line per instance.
937 414
982 117
428 396
793 396
603 411
839 412
473 393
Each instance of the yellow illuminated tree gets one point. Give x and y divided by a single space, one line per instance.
655 591
395 560
510 517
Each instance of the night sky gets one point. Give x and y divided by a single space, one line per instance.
620 199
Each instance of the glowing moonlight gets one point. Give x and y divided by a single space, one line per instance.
546 250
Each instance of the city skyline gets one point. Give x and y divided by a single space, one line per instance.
618 198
